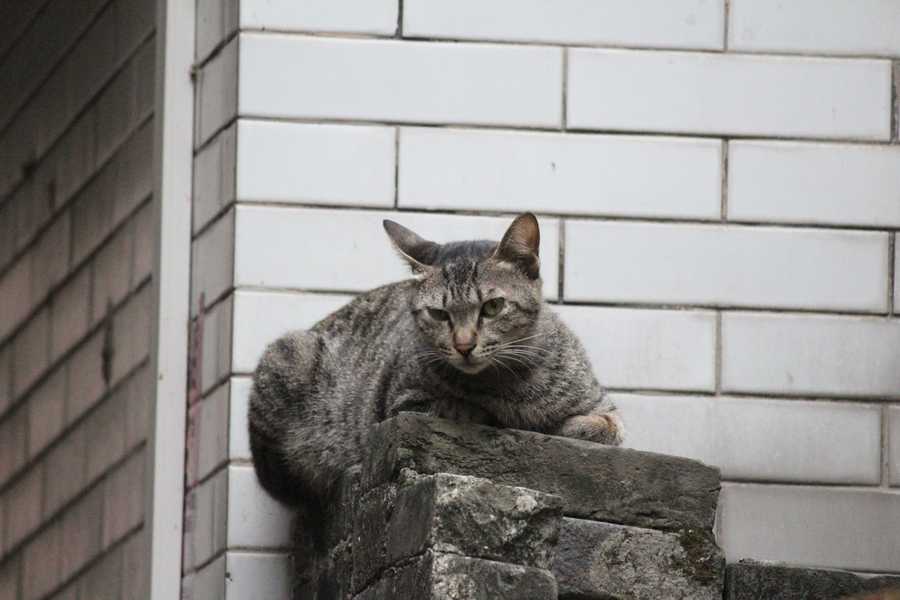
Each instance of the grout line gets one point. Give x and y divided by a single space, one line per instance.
565 89
892 273
560 272
895 101
726 26
396 167
885 448
724 180
399 32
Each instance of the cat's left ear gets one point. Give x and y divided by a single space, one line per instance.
521 245
415 250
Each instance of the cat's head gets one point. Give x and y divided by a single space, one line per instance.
476 302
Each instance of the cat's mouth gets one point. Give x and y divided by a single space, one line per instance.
468 364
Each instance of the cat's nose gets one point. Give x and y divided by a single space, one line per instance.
464 349
464 342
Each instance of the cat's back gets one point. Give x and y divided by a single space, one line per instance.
369 315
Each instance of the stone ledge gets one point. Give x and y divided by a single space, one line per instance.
596 482
751 580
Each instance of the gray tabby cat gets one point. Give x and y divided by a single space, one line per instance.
468 338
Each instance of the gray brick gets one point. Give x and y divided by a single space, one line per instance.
15 296
112 272
103 581
86 383
105 431
131 333
13 450
135 567
41 564
47 411
50 258
69 313
31 352
68 458
144 245
134 172
214 177
138 392
92 212
23 506
80 536
123 507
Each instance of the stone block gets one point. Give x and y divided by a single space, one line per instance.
596 482
749 580
599 560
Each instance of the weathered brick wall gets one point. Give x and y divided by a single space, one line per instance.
717 186
76 251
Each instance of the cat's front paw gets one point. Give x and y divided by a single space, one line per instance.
605 428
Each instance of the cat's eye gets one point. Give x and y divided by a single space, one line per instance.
492 307
438 314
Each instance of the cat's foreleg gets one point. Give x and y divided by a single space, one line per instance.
601 425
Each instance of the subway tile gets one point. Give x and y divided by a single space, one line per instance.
365 259
847 27
818 526
258 575
254 517
726 266
261 317
380 80
695 24
238 432
350 16
707 94
558 173
796 182
760 439
810 355
315 164
649 349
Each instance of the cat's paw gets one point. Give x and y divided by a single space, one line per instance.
605 428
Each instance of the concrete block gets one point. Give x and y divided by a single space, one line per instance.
410 82
597 482
793 97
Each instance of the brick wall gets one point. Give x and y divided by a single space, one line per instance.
718 191
76 250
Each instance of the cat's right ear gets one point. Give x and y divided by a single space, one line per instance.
415 250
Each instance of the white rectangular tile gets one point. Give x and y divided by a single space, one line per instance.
649 349
726 266
645 23
861 27
315 164
407 82
261 317
258 576
272 241
352 16
254 517
796 182
816 526
678 92
760 439
810 355
558 173
238 433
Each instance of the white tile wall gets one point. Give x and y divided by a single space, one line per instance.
355 16
645 23
760 439
893 414
558 173
864 27
814 183
732 266
648 349
254 518
399 81
896 272
216 20
262 316
258 576
238 436
271 241
826 527
315 164
707 93
810 355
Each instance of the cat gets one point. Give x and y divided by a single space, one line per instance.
468 338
